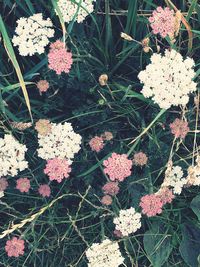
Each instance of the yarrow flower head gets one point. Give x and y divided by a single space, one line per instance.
174 179
179 128
57 169
23 185
104 254
71 10
60 60
151 205
117 167
106 200
42 85
168 79
163 21
32 34
166 195
43 127
62 142
12 156
128 222
15 247
44 190
3 184
140 159
96 143
111 188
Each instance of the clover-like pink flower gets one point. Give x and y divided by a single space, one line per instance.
23 185
57 169
106 200
166 195
60 60
163 21
96 143
14 247
117 167
44 190
151 205
111 188
3 184
179 128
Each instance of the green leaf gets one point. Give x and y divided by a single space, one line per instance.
190 244
157 245
195 206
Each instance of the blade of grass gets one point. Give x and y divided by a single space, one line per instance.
11 55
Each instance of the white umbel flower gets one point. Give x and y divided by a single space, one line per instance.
75 9
168 79
12 156
128 222
32 34
193 177
61 142
175 180
105 254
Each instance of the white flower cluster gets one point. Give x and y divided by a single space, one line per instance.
75 9
105 254
175 180
12 156
128 222
32 34
193 177
61 142
168 79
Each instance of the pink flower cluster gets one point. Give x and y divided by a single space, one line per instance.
3 184
106 200
109 189
15 247
117 167
44 190
60 60
57 169
23 185
42 86
152 204
179 128
140 159
96 143
163 21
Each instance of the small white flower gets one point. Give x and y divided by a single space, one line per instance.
77 10
32 34
168 79
12 156
105 254
61 142
128 222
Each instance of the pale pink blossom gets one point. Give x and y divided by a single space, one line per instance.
57 169
140 159
166 195
23 185
96 143
44 190
117 167
42 85
179 128
163 21
60 60
106 200
111 188
3 184
151 205
14 247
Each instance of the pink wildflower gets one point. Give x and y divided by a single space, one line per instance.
163 21
44 190
140 159
43 85
111 188
15 247
117 233
117 167
107 136
3 184
96 143
57 169
60 60
106 200
179 128
166 195
23 185
151 205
